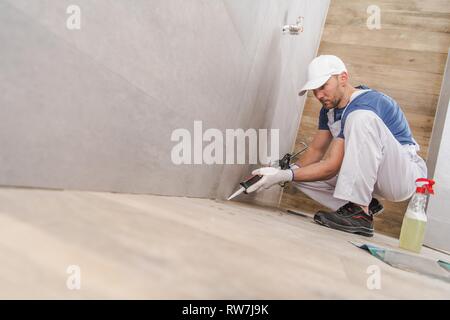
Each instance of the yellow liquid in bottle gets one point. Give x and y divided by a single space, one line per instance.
412 234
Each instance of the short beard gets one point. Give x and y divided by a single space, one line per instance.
336 103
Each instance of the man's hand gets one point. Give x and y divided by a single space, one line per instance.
271 177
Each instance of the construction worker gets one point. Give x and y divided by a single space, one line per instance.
371 152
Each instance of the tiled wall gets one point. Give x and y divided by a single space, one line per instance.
94 108
438 226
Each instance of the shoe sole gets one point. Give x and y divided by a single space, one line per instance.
378 212
367 232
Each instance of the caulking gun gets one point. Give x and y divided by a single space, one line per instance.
283 163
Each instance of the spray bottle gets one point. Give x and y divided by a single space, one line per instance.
413 226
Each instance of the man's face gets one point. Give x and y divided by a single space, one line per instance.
331 93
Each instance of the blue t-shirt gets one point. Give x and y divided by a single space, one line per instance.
385 107
323 117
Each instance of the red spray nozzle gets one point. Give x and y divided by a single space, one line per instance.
425 185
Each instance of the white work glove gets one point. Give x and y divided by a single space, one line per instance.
271 177
294 166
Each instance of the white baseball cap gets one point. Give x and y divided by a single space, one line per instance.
320 70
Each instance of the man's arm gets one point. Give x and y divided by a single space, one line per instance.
325 169
317 148
314 172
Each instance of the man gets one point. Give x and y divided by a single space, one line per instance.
371 151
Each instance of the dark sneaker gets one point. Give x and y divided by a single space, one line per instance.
375 207
349 218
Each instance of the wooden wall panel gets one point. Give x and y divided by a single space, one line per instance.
404 59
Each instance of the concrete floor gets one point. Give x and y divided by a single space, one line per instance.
143 246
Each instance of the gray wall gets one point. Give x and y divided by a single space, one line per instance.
94 109
438 226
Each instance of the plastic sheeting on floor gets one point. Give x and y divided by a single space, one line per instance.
409 262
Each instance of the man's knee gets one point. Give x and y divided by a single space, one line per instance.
359 118
361 121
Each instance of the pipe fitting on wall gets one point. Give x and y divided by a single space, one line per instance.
294 29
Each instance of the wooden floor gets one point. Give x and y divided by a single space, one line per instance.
142 246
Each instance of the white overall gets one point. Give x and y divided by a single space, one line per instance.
374 163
